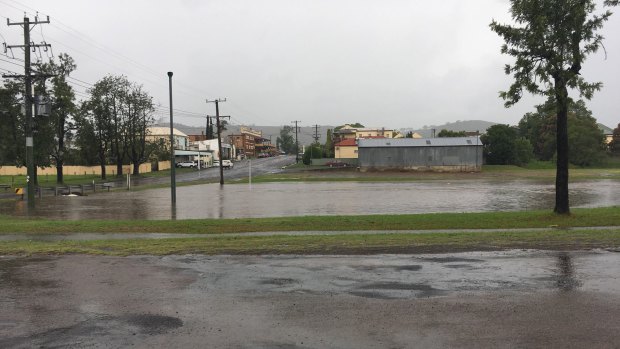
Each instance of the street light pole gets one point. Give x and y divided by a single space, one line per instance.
173 184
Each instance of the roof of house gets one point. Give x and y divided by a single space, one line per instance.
345 131
163 131
371 129
422 142
347 143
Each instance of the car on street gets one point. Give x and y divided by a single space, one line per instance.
186 164
227 164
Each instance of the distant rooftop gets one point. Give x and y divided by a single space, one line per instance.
347 143
420 142
163 131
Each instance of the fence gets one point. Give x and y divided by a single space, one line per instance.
80 170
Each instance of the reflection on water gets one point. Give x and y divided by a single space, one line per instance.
329 198
173 211
567 281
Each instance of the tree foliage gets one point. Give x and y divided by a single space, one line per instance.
614 146
550 42
448 133
355 125
585 139
503 146
314 151
61 119
286 141
12 143
328 149
118 113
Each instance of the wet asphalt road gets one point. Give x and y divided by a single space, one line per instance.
241 169
518 299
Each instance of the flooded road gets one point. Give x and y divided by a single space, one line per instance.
323 198
525 299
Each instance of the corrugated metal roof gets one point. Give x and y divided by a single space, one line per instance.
420 142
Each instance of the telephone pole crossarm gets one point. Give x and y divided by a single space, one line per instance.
27 21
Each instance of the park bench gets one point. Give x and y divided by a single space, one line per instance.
5 186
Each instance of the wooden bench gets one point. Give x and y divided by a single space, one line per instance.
5 186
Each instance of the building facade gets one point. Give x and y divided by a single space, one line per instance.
157 134
245 142
349 132
346 149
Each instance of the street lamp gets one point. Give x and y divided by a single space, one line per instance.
173 184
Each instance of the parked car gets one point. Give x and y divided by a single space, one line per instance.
186 164
227 164
216 163
336 164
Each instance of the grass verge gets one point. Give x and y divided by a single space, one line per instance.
489 172
606 216
327 244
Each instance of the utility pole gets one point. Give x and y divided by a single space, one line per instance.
27 46
296 142
316 134
219 133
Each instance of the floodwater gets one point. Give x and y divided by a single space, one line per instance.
324 198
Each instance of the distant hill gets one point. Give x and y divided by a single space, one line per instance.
461 125
306 133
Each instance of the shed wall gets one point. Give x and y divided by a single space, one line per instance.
447 158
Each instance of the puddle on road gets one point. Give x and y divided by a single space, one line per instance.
567 280
326 198
394 277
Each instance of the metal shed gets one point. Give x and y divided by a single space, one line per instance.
459 154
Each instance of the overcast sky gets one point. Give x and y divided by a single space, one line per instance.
391 63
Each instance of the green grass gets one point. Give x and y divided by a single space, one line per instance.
609 216
489 172
326 244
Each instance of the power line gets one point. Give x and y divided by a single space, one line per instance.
106 50
65 28
10 62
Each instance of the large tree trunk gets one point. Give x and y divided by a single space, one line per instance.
60 154
561 178
59 174
103 174
119 165
101 152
